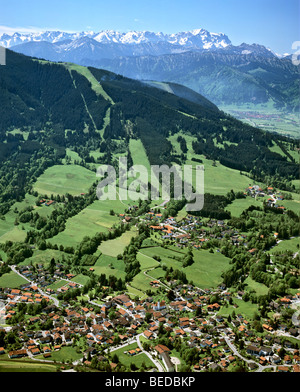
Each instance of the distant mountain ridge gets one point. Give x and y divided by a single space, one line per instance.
247 74
225 77
198 38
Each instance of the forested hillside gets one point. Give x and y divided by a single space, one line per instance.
225 77
46 108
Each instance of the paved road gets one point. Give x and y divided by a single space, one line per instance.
156 363
137 340
235 352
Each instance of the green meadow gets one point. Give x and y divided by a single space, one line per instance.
11 233
11 280
138 153
247 309
72 156
62 179
9 230
239 205
96 86
207 268
136 359
259 288
205 272
44 256
64 355
109 265
116 246
141 282
91 220
293 204
25 366
218 179
146 261
286 245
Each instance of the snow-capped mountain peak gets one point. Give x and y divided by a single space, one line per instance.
198 38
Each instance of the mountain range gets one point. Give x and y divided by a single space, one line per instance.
197 39
247 74
85 47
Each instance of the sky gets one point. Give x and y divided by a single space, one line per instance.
272 23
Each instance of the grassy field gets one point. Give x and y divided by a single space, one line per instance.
58 284
218 179
133 292
96 86
141 282
204 272
136 359
285 245
139 157
117 245
44 256
138 153
167 255
12 232
239 205
62 179
72 155
11 280
294 204
259 288
8 229
247 309
80 279
146 261
65 354
109 265
91 220
207 268
25 366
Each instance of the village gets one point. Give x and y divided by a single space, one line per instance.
190 317
177 317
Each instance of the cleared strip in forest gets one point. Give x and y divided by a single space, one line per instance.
84 101
96 86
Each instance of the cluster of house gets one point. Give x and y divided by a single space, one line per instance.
191 316
181 232
272 201
42 276
28 294
46 202
267 355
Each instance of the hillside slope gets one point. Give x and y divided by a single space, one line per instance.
224 77
47 108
